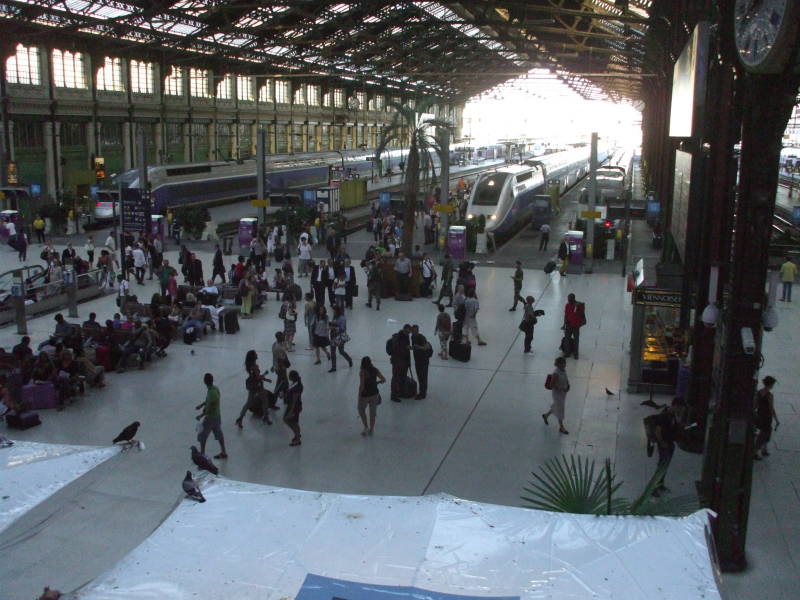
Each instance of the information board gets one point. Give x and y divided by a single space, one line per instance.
135 210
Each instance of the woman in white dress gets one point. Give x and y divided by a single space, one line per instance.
560 387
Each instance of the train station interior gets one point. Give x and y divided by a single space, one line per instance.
639 156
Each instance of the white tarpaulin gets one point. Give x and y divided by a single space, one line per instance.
31 472
252 541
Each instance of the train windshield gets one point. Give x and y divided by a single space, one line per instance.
487 192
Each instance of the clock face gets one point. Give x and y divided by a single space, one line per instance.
761 33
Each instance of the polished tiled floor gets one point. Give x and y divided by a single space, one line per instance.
478 435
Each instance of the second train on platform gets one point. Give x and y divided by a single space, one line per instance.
514 196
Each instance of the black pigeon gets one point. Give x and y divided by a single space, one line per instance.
203 462
127 434
609 392
191 489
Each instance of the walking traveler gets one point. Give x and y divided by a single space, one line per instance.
471 308
444 328
294 406
559 387
788 274
218 266
428 275
212 417
544 236
574 319
338 337
368 394
309 313
321 333
765 413
447 281
254 384
563 256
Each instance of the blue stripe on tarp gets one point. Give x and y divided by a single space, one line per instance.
316 587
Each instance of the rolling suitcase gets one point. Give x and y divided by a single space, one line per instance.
460 351
550 267
566 346
39 396
23 420
230 321
409 388
189 336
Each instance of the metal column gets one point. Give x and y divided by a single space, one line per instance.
728 466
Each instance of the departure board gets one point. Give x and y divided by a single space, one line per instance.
135 210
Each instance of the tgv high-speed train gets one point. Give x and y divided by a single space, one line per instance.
507 196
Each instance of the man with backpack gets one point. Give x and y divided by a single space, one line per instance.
574 319
398 348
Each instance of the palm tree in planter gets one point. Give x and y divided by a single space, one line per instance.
423 143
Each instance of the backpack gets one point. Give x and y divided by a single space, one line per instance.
581 309
549 382
460 312
390 346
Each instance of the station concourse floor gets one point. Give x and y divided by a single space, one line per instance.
478 435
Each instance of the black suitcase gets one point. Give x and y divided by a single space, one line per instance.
230 321
23 420
460 351
189 336
550 267
409 388
566 346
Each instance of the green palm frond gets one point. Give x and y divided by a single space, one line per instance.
574 485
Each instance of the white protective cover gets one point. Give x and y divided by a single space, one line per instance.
31 472
253 541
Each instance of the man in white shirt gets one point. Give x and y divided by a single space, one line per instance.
111 241
427 223
544 236
304 255
139 263
402 269
11 228
428 275
123 291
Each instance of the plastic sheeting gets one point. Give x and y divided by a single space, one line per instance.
251 541
31 472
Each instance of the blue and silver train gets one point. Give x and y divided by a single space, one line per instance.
221 182
510 197
214 183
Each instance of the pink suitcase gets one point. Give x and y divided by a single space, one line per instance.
38 396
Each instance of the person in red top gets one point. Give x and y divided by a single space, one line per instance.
573 321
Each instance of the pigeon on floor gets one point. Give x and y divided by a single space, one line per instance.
127 434
609 392
5 442
191 488
203 462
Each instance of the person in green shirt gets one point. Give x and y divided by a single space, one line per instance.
788 274
212 418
